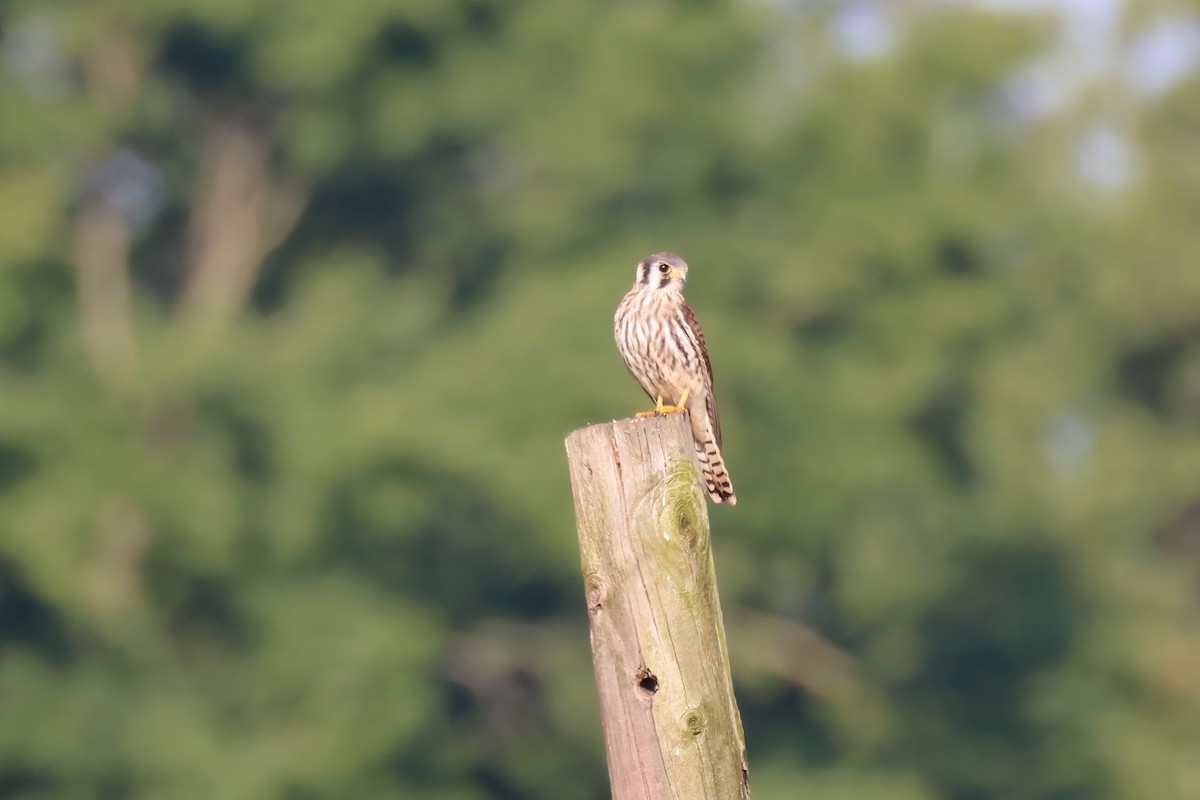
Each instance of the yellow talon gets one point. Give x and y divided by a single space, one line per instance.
680 406
658 409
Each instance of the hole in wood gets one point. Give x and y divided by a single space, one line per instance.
646 681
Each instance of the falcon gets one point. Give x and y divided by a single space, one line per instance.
663 348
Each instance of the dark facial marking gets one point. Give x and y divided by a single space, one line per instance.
646 273
643 273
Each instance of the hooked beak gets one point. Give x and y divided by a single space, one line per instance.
677 273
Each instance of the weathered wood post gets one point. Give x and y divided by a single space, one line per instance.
671 725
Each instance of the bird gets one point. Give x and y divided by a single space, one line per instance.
662 346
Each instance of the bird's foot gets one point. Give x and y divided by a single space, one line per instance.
678 407
658 409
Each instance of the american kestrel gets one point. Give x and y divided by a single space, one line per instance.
663 348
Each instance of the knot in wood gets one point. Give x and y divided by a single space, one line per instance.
694 722
597 593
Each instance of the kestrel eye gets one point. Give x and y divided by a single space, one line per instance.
662 266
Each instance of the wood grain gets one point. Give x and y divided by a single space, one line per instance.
671 725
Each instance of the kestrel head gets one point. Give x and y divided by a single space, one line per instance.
662 271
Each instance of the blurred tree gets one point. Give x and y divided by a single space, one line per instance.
297 303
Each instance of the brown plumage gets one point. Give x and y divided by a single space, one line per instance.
663 347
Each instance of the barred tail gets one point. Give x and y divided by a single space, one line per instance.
716 477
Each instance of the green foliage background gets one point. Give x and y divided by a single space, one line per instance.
298 300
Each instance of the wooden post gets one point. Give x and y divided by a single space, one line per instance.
671 725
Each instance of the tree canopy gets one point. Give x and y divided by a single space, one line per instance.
298 301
